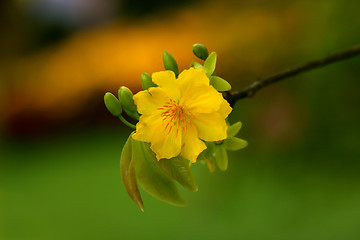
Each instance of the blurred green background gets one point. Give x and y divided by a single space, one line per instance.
60 148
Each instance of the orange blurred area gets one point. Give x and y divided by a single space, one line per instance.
64 80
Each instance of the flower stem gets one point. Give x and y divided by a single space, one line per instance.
250 91
126 122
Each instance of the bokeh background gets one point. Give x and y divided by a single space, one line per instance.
59 147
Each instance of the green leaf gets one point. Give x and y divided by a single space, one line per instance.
112 104
221 157
220 84
196 65
234 143
200 51
152 178
234 129
128 176
210 64
178 169
170 63
146 81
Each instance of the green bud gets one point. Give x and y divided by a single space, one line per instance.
170 63
234 143
220 84
200 51
210 64
112 104
146 81
126 98
196 65
234 129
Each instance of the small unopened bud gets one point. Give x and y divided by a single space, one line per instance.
200 51
126 98
112 104
170 63
146 81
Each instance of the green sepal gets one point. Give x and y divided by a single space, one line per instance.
220 84
207 156
170 63
210 64
112 104
234 129
178 169
196 65
128 175
208 152
126 99
152 178
221 157
234 143
211 164
146 81
200 51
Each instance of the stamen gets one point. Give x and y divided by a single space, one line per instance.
177 114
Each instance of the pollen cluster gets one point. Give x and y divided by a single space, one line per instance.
176 115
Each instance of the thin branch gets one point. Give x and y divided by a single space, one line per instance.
250 91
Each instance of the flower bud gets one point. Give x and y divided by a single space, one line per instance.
200 51
170 63
210 64
126 98
146 81
112 104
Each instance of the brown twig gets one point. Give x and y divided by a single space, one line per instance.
251 90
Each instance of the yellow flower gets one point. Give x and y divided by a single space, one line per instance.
180 112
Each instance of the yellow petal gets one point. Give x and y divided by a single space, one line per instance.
192 78
202 99
166 139
166 81
144 128
225 109
210 126
192 146
149 101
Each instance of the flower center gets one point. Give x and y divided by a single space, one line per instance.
176 115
